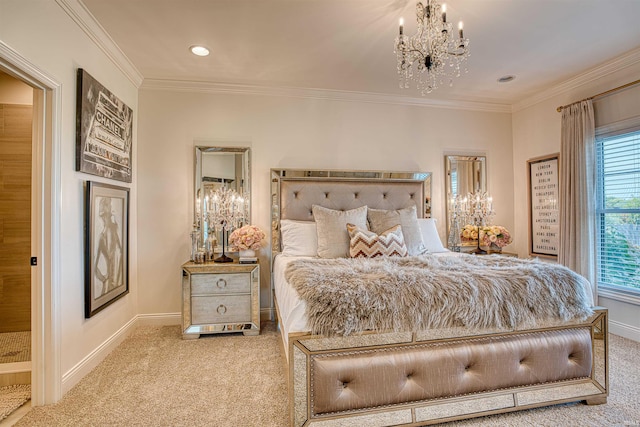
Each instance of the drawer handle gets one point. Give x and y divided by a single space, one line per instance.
221 283
221 309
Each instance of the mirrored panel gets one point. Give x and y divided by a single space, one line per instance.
463 175
600 352
216 168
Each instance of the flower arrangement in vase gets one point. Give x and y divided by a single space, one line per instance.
247 240
495 237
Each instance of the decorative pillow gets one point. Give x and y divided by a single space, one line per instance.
367 244
333 238
430 235
299 238
381 220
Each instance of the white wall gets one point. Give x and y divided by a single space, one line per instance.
290 133
536 132
42 33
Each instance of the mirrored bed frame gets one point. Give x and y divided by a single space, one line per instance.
424 377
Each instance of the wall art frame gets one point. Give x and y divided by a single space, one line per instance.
543 198
104 131
106 245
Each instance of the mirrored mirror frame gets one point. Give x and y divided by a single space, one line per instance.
479 183
244 188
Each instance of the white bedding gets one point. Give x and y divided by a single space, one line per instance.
290 307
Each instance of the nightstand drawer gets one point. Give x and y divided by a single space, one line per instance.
232 283
222 309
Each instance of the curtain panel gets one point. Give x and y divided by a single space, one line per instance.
577 191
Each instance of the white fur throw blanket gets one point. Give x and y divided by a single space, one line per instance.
350 295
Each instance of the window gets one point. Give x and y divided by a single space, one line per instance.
618 212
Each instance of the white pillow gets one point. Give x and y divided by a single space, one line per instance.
430 236
299 238
333 238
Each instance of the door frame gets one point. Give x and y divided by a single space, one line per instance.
46 377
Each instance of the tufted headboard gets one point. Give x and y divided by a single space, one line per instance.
294 192
298 196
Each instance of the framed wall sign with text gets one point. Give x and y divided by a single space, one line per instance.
104 131
543 205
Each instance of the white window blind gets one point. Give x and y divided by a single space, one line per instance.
618 211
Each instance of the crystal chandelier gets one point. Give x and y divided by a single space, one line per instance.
433 55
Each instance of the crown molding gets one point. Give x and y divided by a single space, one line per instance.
334 95
79 13
626 60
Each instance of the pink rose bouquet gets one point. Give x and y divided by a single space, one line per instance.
489 234
248 237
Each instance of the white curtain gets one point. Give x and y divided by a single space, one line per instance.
577 191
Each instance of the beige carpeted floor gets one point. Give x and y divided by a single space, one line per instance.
154 378
12 397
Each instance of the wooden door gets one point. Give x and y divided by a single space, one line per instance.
15 217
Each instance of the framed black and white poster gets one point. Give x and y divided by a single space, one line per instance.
543 206
106 245
104 131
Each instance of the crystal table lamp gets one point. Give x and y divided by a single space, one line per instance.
226 211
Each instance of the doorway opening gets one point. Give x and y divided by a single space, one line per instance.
16 122
41 258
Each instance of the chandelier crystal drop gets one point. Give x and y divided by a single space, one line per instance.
434 54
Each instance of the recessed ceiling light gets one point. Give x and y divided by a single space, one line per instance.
199 50
506 79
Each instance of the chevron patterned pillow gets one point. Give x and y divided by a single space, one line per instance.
367 244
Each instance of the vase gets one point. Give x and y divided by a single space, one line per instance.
247 253
495 248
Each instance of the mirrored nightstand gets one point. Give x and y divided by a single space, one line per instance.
220 298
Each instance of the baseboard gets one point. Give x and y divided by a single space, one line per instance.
624 330
82 368
168 319
15 367
159 319
14 378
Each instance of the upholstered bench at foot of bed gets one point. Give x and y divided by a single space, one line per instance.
409 374
416 379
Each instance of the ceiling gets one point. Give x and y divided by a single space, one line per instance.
347 45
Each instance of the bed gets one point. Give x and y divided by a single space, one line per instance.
422 375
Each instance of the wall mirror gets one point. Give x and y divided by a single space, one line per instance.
217 167
463 175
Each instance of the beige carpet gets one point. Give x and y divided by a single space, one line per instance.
154 378
15 347
12 397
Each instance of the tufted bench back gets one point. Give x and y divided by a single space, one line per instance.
344 381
